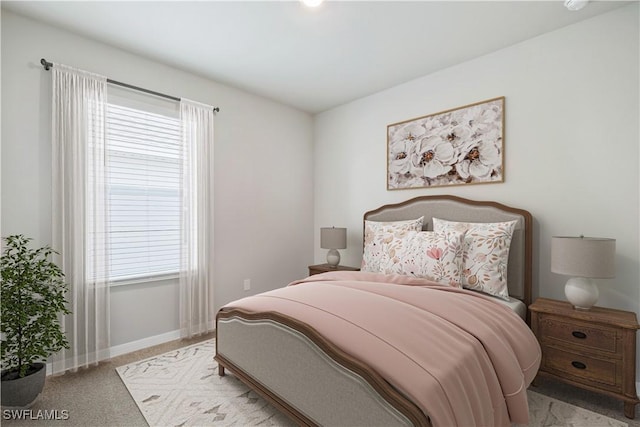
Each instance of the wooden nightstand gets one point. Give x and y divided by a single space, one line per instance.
323 268
593 349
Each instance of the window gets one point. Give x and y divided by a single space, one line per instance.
143 169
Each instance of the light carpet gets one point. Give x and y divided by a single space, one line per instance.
183 388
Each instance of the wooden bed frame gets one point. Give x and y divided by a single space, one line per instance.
314 382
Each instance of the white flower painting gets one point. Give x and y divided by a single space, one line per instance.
459 146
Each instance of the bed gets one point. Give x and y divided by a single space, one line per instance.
384 347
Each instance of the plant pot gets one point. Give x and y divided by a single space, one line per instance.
23 392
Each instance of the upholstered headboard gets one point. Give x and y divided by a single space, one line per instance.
455 208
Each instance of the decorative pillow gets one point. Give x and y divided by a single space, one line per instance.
486 254
378 234
426 254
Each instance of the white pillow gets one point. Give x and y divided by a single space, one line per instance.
378 234
486 254
426 254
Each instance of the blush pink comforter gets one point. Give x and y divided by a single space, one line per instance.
462 358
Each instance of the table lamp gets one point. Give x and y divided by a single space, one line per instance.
584 258
333 238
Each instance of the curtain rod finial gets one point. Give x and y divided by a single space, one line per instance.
45 64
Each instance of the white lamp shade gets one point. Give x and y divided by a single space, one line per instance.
333 238
591 257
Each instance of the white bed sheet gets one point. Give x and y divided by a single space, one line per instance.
514 304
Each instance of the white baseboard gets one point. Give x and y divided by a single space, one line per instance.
129 347
132 346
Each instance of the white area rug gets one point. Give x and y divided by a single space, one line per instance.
183 388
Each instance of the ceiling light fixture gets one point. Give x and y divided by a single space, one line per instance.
312 3
574 5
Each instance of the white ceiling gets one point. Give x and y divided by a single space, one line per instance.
311 59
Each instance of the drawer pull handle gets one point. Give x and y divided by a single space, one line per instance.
578 334
578 365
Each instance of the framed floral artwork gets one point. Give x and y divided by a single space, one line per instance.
460 146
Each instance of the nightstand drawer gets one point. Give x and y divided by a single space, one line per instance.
593 349
598 372
572 332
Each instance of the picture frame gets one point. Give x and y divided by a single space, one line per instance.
459 146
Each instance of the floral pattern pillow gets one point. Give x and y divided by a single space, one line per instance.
426 254
378 234
485 256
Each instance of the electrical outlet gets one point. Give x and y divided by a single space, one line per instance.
247 284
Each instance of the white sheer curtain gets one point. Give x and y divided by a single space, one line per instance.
79 209
197 313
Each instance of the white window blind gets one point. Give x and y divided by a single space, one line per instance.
143 162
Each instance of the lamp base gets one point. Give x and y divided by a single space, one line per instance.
333 257
581 292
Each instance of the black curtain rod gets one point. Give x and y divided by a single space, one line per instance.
47 66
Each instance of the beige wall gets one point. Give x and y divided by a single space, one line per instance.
571 152
571 144
263 159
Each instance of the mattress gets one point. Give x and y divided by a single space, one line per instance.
514 304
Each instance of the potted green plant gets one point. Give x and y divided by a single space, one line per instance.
32 295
